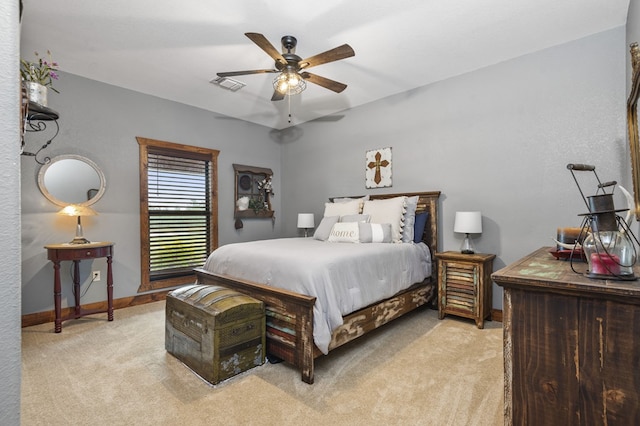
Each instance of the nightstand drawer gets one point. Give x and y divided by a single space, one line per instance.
460 281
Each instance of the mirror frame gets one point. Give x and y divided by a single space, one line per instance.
632 123
54 200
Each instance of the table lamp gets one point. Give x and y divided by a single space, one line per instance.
468 223
306 221
78 211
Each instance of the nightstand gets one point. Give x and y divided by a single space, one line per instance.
464 285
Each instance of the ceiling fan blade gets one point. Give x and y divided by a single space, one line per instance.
324 82
234 73
277 96
335 54
265 45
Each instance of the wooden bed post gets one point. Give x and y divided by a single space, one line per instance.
307 347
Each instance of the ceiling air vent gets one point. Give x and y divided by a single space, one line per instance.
228 83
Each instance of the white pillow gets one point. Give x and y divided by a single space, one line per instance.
375 232
361 201
346 232
390 210
409 219
341 209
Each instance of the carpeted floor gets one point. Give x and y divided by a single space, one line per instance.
415 371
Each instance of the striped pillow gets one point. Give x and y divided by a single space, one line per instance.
374 232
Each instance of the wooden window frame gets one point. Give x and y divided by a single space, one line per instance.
180 150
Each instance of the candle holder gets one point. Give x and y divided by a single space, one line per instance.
608 243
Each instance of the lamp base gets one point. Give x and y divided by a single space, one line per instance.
467 246
79 240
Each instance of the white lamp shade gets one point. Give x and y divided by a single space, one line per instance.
468 222
305 220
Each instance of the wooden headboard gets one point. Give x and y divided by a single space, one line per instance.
427 201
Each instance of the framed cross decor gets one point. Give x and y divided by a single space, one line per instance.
378 168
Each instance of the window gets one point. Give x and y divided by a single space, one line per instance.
178 211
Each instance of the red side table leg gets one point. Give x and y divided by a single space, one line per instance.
109 290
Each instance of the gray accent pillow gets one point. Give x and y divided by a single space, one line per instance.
411 205
324 229
355 218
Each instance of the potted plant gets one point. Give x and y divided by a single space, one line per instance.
38 76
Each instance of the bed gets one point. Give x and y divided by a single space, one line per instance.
290 314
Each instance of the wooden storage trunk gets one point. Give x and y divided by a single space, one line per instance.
215 331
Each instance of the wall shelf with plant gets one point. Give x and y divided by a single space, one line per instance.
253 192
37 79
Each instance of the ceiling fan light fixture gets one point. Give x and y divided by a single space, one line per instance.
289 83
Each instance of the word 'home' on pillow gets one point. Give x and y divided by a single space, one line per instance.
345 232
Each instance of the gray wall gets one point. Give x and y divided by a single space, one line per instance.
9 215
100 122
496 140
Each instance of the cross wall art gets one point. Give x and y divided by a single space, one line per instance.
378 168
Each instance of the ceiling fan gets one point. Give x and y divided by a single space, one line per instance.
292 68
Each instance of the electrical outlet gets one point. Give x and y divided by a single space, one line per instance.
96 275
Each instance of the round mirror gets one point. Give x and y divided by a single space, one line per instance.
71 179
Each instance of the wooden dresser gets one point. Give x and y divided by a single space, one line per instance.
571 345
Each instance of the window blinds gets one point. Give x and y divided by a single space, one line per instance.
179 206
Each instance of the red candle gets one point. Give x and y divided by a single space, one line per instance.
605 264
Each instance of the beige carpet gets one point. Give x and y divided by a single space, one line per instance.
415 371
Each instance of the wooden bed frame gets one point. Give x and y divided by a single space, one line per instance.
289 315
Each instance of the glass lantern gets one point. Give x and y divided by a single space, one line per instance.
608 246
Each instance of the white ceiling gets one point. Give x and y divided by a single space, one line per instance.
172 49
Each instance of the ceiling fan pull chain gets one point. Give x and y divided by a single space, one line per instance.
289 107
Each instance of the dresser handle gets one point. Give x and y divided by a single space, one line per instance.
88 253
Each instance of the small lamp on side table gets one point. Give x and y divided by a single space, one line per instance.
306 221
468 223
76 210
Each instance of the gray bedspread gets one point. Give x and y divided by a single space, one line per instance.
343 277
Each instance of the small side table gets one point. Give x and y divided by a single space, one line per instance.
464 285
75 253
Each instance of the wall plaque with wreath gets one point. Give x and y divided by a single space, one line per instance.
253 192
